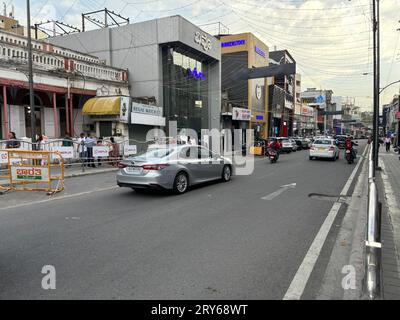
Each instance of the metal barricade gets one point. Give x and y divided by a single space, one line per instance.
372 279
27 170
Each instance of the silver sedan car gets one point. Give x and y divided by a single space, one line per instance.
173 167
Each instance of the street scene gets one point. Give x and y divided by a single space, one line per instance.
163 151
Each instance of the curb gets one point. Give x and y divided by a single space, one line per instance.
89 173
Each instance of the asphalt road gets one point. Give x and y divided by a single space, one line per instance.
219 241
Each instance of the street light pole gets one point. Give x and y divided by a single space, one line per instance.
375 10
30 76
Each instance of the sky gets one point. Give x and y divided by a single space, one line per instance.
331 40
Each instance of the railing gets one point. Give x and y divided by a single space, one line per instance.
74 157
373 237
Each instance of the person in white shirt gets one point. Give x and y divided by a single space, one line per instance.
81 148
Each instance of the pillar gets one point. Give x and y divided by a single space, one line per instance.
5 113
56 131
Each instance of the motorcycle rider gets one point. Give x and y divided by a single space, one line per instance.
276 146
349 145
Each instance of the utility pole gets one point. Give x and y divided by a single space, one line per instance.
30 76
375 10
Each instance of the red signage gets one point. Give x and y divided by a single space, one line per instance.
398 115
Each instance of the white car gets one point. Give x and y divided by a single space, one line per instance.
324 148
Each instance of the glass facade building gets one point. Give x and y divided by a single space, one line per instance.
185 88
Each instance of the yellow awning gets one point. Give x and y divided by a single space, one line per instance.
102 106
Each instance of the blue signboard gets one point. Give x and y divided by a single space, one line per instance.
233 43
261 52
260 117
320 99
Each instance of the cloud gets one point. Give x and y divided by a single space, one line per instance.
331 40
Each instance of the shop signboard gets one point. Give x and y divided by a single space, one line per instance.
241 114
125 111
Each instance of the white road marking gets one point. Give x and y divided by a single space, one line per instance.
279 192
303 274
76 195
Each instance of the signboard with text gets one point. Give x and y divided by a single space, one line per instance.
130 150
34 174
100 151
241 114
66 152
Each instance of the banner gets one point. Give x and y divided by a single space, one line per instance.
130 150
35 174
66 152
100 151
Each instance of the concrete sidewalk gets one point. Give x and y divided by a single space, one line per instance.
389 187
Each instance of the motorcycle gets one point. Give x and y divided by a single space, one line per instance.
273 155
350 156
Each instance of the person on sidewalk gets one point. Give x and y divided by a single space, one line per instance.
90 143
81 149
12 142
114 152
388 142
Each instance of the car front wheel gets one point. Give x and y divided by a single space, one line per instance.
181 183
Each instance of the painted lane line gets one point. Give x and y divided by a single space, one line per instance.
76 195
303 274
279 192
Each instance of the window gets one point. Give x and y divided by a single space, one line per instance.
105 129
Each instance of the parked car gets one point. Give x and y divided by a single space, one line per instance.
294 144
306 143
287 145
173 167
299 143
324 148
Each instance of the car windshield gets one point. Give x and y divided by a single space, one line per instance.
285 140
323 142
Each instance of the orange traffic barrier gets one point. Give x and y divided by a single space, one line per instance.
24 170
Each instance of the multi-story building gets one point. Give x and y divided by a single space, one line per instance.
64 80
321 101
391 112
282 97
245 103
173 63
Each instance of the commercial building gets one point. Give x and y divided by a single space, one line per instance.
282 97
321 101
64 80
245 102
174 67
304 119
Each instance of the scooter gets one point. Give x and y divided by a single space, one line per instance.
273 155
350 156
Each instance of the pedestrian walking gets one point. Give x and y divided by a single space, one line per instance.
388 142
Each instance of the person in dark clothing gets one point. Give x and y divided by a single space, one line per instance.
12 142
